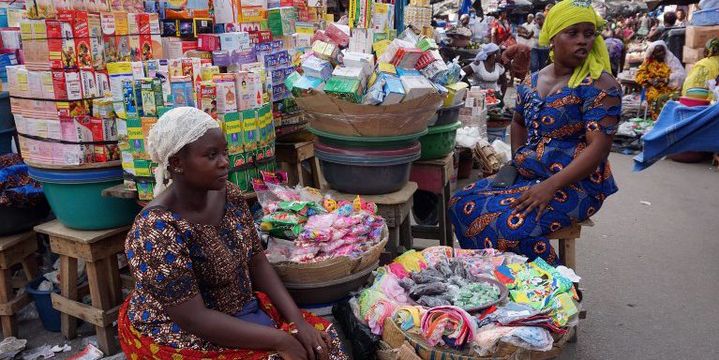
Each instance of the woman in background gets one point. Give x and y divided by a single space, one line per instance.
661 74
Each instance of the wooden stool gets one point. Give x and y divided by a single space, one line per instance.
434 176
295 154
15 250
395 209
566 238
99 249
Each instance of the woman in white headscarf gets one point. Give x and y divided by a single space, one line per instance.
661 74
485 70
204 286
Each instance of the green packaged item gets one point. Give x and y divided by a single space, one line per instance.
475 295
304 208
249 129
239 171
285 225
344 89
135 136
427 44
144 168
233 132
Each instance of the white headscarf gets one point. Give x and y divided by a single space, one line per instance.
676 78
175 129
487 49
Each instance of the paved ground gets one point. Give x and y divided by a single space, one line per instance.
649 271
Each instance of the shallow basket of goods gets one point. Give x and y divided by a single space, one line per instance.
330 269
395 337
344 118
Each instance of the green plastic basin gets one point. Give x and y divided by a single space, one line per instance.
439 141
75 197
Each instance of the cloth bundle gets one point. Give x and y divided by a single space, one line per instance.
527 337
448 325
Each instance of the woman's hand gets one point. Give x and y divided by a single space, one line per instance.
315 342
291 349
536 197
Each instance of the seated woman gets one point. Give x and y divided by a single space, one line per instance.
705 69
204 287
661 74
562 132
485 70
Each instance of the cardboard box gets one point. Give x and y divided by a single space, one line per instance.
697 36
345 89
692 55
416 87
250 133
232 125
226 93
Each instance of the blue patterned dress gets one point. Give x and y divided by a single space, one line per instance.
557 126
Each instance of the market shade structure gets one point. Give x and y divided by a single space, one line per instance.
655 4
680 128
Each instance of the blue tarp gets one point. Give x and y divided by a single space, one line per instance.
678 129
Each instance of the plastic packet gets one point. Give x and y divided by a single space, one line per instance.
435 288
432 301
279 250
427 276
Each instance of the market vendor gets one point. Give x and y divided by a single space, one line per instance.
516 58
204 288
705 69
566 116
502 31
485 69
661 74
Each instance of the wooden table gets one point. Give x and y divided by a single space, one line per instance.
99 249
15 250
295 154
434 176
395 209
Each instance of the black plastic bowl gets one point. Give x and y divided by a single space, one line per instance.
445 116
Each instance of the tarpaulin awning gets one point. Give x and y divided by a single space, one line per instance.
680 128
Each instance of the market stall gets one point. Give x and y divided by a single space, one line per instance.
467 304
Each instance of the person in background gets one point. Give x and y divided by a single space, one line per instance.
615 47
501 30
670 19
661 74
681 18
538 55
644 25
547 8
486 70
516 59
705 69
204 288
566 116
526 31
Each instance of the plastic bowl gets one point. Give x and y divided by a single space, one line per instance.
439 141
75 197
446 116
381 142
367 175
687 101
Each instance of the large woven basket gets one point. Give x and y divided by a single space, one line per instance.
395 337
331 269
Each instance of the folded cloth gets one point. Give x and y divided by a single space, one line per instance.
448 325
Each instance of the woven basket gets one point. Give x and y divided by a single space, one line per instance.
330 269
395 337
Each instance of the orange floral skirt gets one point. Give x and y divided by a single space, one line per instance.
137 346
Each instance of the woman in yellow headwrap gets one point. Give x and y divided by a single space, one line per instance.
705 69
562 132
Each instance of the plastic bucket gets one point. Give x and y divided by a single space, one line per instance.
49 317
439 141
446 116
366 175
75 197
687 101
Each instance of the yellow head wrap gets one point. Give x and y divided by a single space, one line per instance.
570 12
